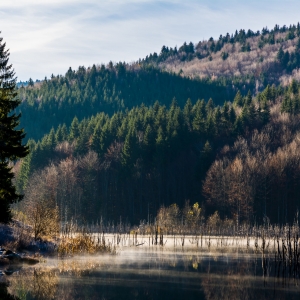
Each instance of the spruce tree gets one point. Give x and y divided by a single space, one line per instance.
11 147
280 54
24 173
128 151
159 156
187 113
64 131
148 144
248 99
238 99
74 130
59 135
51 139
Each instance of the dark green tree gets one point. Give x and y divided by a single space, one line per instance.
74 129
280 54
64 131
187 113
128 150
30 82
11 147
59 135
238 99
248 99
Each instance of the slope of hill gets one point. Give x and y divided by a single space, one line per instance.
266 57
115 151
130 164
86 92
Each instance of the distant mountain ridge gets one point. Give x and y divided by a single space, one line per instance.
269 56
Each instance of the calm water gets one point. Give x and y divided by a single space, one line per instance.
157 273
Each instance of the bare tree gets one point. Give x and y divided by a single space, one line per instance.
40 205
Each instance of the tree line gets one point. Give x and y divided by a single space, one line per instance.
137 160
257 178
203 49
109 89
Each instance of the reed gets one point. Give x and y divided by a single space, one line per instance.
287 264
82 240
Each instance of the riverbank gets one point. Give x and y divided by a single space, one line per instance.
17 237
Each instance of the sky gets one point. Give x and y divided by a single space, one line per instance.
49 36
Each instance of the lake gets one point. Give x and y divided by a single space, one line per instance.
157 272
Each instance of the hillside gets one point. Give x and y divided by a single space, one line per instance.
245 55
214 69
114 88
120 141
227 158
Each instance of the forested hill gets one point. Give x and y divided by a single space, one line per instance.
134 161
240 159
263 57
216 69
122 140
86 92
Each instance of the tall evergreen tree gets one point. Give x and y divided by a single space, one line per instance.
74 129
238 100
11 147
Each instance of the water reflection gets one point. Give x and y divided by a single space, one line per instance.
142 274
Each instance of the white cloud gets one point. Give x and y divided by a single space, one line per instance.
49 36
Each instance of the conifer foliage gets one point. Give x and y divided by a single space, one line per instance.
11 146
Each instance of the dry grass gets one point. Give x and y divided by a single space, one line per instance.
84 243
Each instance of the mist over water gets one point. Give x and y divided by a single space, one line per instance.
148 272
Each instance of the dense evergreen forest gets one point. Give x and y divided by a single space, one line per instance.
111 89
121 141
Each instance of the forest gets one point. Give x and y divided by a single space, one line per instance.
110 89
121 142
269 56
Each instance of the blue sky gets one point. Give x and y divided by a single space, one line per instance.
49 36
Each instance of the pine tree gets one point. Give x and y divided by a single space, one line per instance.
159 156
238 125
30 82
210 126
74 129
82 143
248 98
264 112
238 99
286 105
128 151
217 120
198 122
280 54
225 111
149 144
11 147
51 139
64 132
251 114
205 160
59 135
187 113
232 115
24 173
293 88
209 106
